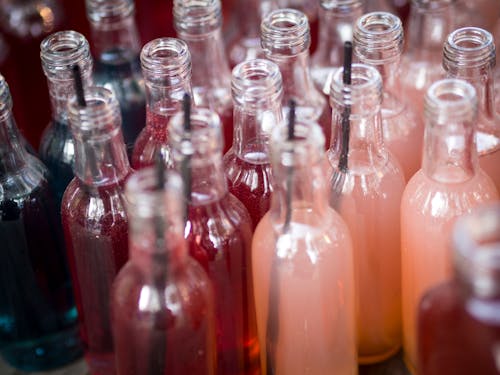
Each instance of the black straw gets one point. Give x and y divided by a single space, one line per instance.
186 162
186 108
346 125
289 183
80 94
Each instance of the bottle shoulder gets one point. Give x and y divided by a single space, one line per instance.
20 183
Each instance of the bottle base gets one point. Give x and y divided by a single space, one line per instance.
46 353
369 360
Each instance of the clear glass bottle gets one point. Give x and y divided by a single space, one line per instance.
166 67
378 42
59 52
257 91
367 192
336 22
429 23
302 265
449 184
94 219
469 54
198 23
219 234
163 314
285 40
458 325
38 329
116 46
310 9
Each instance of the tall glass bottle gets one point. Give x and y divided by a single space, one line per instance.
163 316
469 54
166 67
117 67
430 21
367 192
449 184
302 266
378 42
257 92
38 329
336 22
198 23
94 219
285 39
458 325
59 52
219 234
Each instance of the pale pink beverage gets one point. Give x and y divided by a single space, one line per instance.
449 185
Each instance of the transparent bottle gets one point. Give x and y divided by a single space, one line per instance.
367 192
449 184
116 46
94 219
469 54
59 52
310 9
302 265
429 23
219 234
336 22
257 91
458 325
39 328
285 39
198 23
378 42
166 67
163 316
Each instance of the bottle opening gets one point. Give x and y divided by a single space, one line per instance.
109 11
166 56
195 17
449 99
61 50
469 47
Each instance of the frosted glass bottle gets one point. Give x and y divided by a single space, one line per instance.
367 194
302 266
378 42
449 184
469 54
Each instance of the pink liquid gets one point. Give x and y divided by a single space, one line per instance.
304 296
219 239
428 211
96 232
250 183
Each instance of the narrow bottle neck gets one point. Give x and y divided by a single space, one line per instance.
12 153
60 90
121 35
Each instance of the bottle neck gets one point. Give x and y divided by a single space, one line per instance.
12 153
60 91
119 35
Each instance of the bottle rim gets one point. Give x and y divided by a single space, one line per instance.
197 17
166 58
469 47
109 11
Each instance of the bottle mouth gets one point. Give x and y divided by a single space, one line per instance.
450 99
378 33
286 32
5 98
61 50
197 17
341 5
255 82
109 11
167 59
432 4
469 47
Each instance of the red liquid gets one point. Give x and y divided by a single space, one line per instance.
151 139
226 118
453 341
250 183
96 232
222 246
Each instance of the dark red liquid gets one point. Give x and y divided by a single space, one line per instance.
226 118
160 335
250 183
222 246
151 139
451 340
96 232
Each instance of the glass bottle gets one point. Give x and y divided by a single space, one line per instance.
198 23
117 67
94 219
166 67
38 319
219 233
367 194
378 42
257 92
449 184
429 22
336 21
458 325
310 9
302 265
285 40
59 52
163 316
469 54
